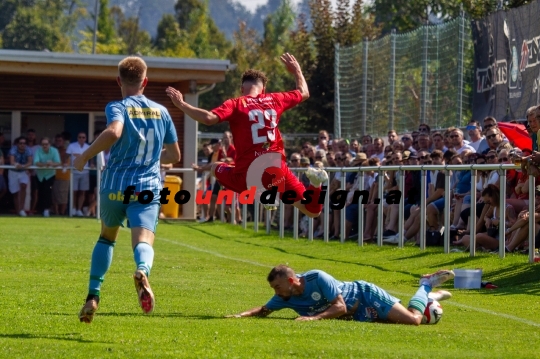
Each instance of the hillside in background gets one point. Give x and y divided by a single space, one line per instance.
226 13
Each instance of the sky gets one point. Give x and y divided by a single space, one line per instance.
251 5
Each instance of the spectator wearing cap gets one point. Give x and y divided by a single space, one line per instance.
408 143
477 140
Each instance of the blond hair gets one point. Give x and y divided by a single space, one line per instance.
132 71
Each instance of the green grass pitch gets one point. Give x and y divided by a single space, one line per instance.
204 271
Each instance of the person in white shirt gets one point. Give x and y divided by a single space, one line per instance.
456 137
478 141
378 146
81 179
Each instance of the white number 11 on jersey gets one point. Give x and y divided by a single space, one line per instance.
143 140
259 116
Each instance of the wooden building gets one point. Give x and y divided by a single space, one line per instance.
54 92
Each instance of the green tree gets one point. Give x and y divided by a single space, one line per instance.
48 24
170 40
133 40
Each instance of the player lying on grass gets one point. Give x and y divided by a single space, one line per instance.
317 295
253 119
137 129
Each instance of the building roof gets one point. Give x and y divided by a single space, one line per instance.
161 69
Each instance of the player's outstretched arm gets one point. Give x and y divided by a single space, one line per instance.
171 154
294 68
198 114
255 312
335 310
104 141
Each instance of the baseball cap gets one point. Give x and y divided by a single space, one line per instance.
213 141
413 155
304 160
406 155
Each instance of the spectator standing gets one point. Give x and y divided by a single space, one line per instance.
46 157
81 179
20 156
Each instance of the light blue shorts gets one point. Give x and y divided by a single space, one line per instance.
114 212
375 303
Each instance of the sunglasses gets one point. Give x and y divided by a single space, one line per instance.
405 139
423 129
341 158
305 147
491 157
491 136
453 136
295 160
428 162
322 138
424 157
504 159
488 126
318 156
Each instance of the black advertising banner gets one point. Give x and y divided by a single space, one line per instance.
507 60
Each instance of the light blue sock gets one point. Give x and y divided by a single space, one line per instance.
420 299
143 253
101 261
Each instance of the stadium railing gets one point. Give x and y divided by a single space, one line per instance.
423 168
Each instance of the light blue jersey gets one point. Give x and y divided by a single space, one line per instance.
321 289
134 158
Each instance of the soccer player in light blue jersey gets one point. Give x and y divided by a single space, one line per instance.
317 295
137 130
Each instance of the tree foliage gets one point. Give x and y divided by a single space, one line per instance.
39 24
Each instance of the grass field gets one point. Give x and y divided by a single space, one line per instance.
203 272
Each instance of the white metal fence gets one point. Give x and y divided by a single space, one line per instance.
361 170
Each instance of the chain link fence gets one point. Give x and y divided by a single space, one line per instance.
402 80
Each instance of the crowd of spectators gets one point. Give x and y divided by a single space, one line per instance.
480 144
45 191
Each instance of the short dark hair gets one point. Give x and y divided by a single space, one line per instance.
436 154
280 271
254 76
492 191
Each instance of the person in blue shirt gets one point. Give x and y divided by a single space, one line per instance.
137 130
317 295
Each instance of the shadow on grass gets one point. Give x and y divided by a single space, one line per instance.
75 337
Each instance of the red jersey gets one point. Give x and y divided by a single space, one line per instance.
253 122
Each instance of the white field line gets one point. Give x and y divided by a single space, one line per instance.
487 311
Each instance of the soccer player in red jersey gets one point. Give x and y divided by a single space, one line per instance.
253 119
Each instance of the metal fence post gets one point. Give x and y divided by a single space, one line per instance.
364 87
425 48
461 51
392 80
337 109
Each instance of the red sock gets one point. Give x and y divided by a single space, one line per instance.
314 206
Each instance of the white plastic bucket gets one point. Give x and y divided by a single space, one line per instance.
468 278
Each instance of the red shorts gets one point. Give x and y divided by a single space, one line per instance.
236 182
